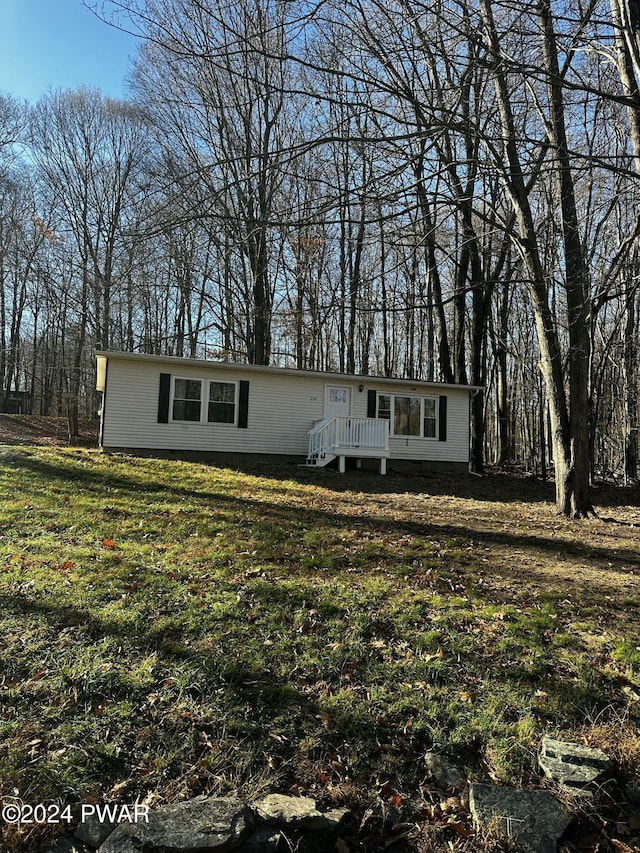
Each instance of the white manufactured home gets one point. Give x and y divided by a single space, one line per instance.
202 409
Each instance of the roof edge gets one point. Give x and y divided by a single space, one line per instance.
284 371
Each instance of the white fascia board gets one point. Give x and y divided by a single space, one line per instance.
283 371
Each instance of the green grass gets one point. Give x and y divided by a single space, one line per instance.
179 628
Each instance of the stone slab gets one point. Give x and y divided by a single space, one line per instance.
94 831
533 820
578 768
298 813
201 825
264 840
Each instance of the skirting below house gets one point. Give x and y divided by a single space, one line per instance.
241 460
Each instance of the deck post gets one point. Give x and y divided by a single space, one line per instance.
342 464
383 465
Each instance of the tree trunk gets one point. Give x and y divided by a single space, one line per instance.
576 501
631 422
569 433
435 286
502 382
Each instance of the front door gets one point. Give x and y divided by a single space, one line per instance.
337 401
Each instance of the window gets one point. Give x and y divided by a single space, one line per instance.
384 406
406 415
222 403
187 394
337 395
429 419
410 416
190 404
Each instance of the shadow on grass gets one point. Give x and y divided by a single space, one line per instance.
493 486
255 692
279 716
269 517
372 485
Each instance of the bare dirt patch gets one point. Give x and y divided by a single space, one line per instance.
46 431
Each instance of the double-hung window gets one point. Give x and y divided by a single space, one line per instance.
189 403
430 418
187 399
222 403
384 406
409 415
406 416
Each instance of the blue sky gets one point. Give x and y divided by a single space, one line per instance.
59 44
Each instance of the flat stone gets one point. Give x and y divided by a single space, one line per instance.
94 831
443 772
298 813
533 820
201 825
578 768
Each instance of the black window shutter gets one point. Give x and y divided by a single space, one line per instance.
371 404
243 404
442 418
163 398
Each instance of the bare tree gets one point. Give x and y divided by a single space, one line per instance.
214 79
87 149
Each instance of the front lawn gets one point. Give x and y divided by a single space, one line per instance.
177 628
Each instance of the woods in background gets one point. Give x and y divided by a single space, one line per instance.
443 190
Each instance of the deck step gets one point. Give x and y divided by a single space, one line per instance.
319 460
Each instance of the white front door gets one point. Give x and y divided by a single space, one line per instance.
337 401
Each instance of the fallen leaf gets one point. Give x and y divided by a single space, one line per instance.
325 719
437 656
451 805
460 828
630 693
620 846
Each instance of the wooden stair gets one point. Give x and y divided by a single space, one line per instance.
339 438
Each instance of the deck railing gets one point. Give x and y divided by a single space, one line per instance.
347 435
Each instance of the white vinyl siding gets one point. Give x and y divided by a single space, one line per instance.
282 410
283 407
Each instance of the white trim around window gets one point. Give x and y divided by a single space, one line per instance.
203 401
409 415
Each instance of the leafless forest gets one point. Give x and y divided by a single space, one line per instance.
444 190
